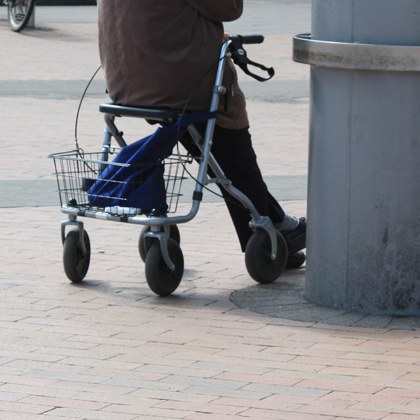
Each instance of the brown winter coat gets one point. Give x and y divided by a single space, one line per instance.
155 52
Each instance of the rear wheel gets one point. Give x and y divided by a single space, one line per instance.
19 12
258 260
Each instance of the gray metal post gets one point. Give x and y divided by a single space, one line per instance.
363 244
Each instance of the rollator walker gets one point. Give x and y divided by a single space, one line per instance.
89 186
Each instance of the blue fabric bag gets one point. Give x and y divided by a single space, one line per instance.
141 185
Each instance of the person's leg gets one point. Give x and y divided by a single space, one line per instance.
234 153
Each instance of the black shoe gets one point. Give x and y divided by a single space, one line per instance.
295 260
296 238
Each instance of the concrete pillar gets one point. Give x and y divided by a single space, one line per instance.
363 244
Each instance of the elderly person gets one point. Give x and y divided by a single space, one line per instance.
156 53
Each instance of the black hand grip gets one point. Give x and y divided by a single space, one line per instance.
252 39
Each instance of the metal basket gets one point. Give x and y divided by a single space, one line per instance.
85 183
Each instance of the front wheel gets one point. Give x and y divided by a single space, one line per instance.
258 260
76 263
160 278
19 12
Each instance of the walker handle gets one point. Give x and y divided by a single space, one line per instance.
252 39
240 58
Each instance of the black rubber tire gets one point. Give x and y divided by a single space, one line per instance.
19 12
160 278
295 260
258 260
76 264
146 242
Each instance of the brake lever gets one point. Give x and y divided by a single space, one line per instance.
240 58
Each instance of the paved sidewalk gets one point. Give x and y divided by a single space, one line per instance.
109 348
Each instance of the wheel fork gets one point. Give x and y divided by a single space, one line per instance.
266 224
163 241
72 221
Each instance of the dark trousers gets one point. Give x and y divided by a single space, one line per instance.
234 153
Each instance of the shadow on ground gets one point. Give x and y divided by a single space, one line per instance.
285 299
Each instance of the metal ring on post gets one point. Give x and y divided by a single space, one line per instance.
354 56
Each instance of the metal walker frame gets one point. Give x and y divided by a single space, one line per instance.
158 227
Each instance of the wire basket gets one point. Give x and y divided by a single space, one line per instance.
86 181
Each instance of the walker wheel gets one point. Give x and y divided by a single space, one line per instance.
258 260
145 242
76 264
160 278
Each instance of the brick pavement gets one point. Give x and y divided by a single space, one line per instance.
110 349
